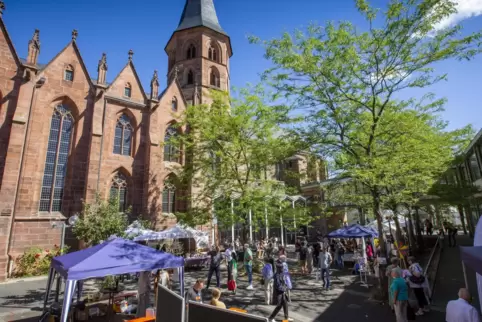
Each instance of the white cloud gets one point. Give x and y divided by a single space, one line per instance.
465 9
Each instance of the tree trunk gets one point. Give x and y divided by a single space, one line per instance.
420 244
361 215
411 234
383 280
470 223
438 216
398 233
462 218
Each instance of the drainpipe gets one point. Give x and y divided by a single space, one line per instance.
101 143
38 84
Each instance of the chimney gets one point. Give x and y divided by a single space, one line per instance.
33 48
102 70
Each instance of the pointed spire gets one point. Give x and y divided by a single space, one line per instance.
75 33
200 13
33 48
102 69
130 54
2 7
154 85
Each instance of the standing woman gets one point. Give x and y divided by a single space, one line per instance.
390 268
418 283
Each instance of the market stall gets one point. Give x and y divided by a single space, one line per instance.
114 257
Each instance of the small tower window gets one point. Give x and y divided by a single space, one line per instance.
190 78
174 104
191 52
69 73
213 54
214 79
128 90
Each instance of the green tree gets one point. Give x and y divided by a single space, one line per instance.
350 81
99 220
234 145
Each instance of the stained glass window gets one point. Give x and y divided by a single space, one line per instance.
168 198
118 190
58 149
123 136
171 150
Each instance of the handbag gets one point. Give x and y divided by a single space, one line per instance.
417 279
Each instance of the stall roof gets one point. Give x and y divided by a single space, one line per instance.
353 231
472 257
113 257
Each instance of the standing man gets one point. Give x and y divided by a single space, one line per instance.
399 293
303 255
214 267
461 310
248 265
280 289
452 232
325 262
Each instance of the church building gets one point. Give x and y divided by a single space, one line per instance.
66 135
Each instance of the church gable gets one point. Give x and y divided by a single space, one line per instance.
172 93
9 61
67 70
127 85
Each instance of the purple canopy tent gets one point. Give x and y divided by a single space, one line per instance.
353 231
114 257
472 257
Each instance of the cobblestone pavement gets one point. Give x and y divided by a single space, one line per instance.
348 300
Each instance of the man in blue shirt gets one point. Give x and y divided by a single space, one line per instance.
399 294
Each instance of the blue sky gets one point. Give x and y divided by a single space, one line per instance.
115 26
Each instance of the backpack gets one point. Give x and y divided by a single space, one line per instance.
280 283
267 272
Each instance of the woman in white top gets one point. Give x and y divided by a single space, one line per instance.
418 283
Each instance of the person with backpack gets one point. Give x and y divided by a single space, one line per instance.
268 282
280 288
214 267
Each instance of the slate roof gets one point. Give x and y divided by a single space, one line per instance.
200 13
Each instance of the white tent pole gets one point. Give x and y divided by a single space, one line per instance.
266 221
281 225
232 220
213 241
250 226
68 293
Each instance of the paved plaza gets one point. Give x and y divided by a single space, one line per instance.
22 300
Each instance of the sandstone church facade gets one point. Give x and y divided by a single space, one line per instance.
66 135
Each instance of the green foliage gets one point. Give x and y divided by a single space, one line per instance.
99 220
348 82
35 261
234 144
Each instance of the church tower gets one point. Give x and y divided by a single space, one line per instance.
198 52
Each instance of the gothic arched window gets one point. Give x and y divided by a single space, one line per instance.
123 136
118 190
213 53
128 90
191 52
169 197
174 104
190 77
58 149
171 149
214 79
